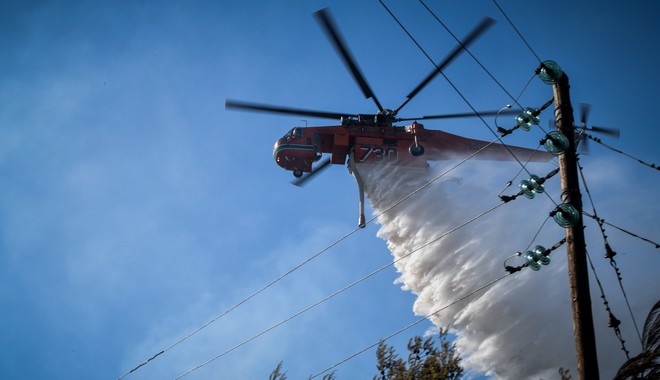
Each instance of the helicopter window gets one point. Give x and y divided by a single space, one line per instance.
294 133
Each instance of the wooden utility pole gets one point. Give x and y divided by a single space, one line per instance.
578 275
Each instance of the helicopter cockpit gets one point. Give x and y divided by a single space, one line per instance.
294 133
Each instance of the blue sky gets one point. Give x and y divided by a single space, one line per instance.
134 208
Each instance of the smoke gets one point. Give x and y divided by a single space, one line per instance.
521 327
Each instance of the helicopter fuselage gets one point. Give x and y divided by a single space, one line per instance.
297 150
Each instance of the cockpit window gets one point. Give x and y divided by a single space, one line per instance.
294 133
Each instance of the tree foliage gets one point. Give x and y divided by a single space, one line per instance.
425 361
277 373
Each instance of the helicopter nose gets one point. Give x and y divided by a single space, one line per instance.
294 157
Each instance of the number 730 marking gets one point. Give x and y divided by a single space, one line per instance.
378 153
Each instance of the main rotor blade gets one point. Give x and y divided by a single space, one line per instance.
466 114
302 180
474 34
241 105
330 28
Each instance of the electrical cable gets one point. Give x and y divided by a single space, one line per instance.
609 254
362 278
613 321
603 296
428 183
418 321
410 35
498 139
302 311
301 264
601 220
304 262
537 232
596 139
460 94
515 100
529 81
517 31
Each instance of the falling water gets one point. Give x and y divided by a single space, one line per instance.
520 327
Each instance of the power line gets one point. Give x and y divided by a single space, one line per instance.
317 254
432 241
601 220
515 100
410 35
418 321
609 254
460 94
428 316
498 138
304 262
451 168
336 293
517 31
596 139
538 232
200 328
613 321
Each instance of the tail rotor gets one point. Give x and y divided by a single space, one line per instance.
582 138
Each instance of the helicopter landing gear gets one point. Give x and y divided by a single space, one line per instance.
297 173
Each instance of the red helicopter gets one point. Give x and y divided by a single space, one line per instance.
372 138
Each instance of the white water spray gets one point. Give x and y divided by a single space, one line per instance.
519 328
